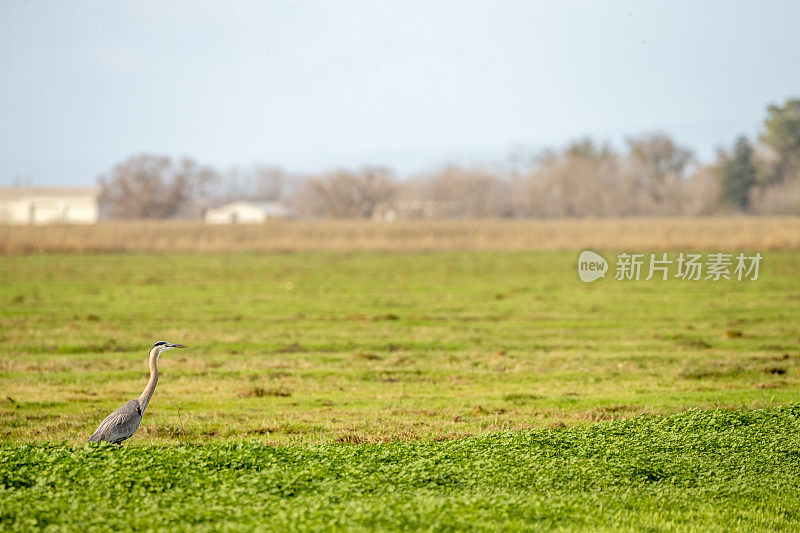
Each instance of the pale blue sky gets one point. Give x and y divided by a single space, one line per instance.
410 84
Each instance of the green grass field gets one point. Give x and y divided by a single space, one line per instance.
325 351
703 471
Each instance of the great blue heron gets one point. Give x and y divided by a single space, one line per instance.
124 422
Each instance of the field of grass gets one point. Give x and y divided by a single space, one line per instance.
697 471
398 390
364 347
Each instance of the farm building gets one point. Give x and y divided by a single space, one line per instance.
417 210
248 213
48 205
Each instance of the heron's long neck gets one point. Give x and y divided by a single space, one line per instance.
148 391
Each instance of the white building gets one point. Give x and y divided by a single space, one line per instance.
416 210
48 205
248 213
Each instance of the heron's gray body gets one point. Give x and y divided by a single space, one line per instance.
119 425
124 422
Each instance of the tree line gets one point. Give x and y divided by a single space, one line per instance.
651 175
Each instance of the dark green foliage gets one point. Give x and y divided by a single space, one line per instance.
722 470
782 136
738 176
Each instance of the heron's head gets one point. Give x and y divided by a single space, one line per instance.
163 346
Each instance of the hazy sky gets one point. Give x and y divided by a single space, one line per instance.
314 85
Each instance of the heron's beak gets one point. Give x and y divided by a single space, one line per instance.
178 346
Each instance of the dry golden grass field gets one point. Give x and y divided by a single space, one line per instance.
742 233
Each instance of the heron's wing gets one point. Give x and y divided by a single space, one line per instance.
120 424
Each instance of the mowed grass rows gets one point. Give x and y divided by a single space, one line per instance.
697 471
325 347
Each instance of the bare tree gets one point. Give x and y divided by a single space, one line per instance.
345 194
702 191
659 166
152 186
779 199
270 183
582 180
456 191
260 183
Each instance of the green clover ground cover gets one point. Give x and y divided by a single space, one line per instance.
699 470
